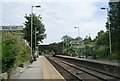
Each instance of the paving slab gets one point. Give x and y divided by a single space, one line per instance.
40 69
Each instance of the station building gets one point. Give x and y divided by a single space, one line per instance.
12 28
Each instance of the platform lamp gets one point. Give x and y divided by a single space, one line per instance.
108 19
32 25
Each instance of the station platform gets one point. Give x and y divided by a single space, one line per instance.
107 62
40 69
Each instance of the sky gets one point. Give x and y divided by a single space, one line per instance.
59 17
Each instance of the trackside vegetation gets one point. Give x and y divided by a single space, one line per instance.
14 51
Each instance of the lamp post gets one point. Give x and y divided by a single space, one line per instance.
78 31
32 25
78 36
63 46
108 19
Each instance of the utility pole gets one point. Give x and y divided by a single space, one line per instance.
32 26
108 19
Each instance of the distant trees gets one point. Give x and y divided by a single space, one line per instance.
66 40
87 40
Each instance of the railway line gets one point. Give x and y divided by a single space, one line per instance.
74 71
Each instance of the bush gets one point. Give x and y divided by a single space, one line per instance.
15 51
23 53
69 52
102 52
51 52
116 56
116 50
8 50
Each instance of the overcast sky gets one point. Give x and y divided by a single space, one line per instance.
60 17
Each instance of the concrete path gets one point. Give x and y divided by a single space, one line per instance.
33 71
40 69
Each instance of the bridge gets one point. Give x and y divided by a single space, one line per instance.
56 49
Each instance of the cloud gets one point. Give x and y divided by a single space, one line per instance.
59 18
58 0
14 12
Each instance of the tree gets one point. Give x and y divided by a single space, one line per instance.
87 40
114 15
101 48
66 39
57 44
103 39
40 30
98 34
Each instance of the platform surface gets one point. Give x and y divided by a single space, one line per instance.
40 69
108 62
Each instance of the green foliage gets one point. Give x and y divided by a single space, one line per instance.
103 39
114 15
40 29
116 56
8 50
57 44
102 45
98 35
69 52
23 53
87 40
66 40
0 50
102 52
14 51
51 52
115 50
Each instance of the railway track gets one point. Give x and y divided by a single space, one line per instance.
77 72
